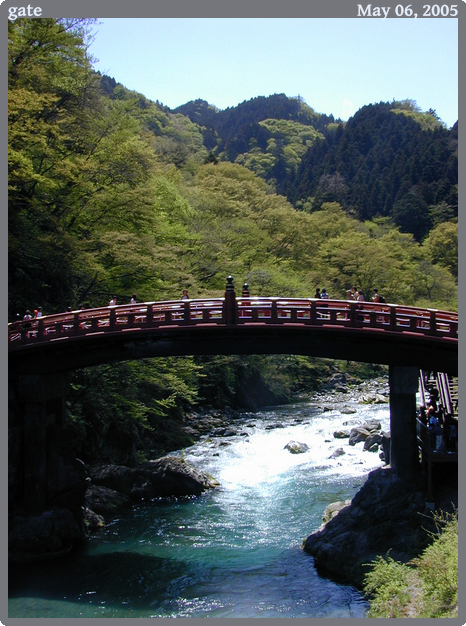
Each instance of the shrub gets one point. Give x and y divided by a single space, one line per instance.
426 586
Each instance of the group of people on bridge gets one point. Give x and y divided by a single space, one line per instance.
353 294
440 424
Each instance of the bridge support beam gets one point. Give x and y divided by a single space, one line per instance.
43 403
404 382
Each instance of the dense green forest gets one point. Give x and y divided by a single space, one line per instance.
111 193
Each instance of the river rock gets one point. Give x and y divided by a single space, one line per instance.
332 509
373 439
341 434
103 501
92 520
224 432
374 398
295 447
385 515
49 535
336 453
358 434
361 433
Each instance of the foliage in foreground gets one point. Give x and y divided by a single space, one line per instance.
126 411
425 587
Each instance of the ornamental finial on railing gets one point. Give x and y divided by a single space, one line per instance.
230 306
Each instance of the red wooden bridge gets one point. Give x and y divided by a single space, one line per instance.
390 334
44 350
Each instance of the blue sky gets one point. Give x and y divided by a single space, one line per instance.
336 65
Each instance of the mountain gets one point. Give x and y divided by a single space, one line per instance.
269 135
389 160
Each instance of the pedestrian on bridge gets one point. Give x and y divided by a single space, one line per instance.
432 428
113 301
27 321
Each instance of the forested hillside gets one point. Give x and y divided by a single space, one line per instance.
389 160
113 194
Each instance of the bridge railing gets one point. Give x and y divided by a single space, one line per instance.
235 311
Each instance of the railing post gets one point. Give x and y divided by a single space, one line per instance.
24 334
230 306
149 315
313 314
245 302
393 317
187 313
112 319
75 324
433 321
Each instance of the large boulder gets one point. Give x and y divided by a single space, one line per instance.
387 514
358 434
361 433
104 501
49 535
160 478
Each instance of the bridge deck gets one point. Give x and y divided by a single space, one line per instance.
370 332
253 311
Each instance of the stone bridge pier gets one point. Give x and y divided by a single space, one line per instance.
41 400
404 454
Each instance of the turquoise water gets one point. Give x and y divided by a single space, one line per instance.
233 552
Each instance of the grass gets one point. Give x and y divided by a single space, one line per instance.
427 586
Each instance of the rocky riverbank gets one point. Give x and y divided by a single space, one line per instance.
107 489
389 515
386 514
82 497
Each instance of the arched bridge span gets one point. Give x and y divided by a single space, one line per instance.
41 354
388 334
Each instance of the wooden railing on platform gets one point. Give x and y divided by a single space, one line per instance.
232 311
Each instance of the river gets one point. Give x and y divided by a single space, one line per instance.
236 550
